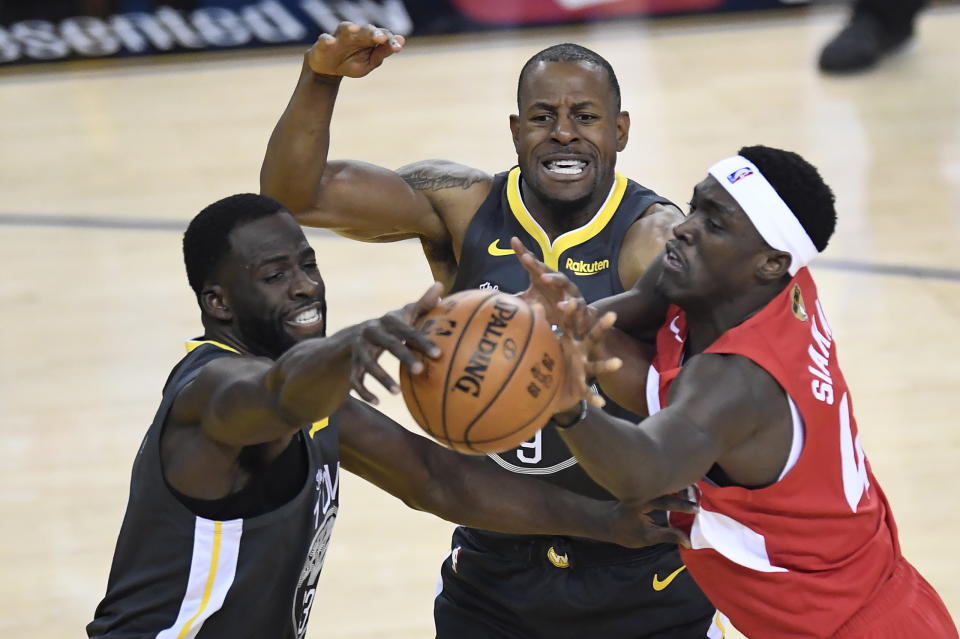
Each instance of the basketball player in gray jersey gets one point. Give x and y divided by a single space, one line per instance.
234 492
570 207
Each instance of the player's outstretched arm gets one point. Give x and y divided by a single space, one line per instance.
738 424
467 490
242 401
356 199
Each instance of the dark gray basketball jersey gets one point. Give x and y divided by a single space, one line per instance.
179 576
588 255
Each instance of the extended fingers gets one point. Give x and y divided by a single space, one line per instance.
596 368
594 398
534 266
396 331
428 301
600 328
390 341
578 318
367 365
560 282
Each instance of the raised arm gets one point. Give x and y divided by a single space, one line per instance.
467 490
428 200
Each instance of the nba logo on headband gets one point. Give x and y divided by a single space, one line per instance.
768 213
739 174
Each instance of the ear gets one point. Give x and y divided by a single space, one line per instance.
774 265
213 302
623 130
515 130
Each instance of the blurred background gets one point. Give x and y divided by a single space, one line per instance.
122 119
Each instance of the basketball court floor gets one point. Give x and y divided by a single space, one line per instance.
100 169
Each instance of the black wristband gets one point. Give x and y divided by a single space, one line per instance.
579 418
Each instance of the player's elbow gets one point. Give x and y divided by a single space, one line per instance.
443 492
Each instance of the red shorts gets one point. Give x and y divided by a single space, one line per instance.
906 606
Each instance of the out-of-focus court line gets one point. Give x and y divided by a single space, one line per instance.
146 224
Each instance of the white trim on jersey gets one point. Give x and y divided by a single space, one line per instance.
653 391
718 627
216 547
796 446
439 587
733 540
549 470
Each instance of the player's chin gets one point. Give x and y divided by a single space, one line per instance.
670 284
299 332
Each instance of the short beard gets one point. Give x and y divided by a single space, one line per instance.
567 208
264 338
563 209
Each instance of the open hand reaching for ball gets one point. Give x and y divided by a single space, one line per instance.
393 332
580 329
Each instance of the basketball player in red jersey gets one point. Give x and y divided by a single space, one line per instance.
748 405
567 202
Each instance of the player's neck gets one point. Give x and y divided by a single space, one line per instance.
708 320
225 336
557 218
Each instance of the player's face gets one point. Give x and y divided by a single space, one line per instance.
274 289
568 133
715 253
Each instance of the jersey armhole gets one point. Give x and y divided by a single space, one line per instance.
796 445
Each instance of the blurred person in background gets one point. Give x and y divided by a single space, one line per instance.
876 28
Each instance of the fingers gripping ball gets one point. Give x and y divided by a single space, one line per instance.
494 383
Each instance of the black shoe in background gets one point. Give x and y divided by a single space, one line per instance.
862 43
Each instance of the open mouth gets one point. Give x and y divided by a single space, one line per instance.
565 167
307 318
672 258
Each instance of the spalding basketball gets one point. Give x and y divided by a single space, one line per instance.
492 387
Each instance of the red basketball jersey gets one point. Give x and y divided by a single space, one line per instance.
801 556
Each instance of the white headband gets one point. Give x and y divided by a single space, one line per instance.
770 215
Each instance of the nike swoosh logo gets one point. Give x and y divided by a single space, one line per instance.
496 251
660 585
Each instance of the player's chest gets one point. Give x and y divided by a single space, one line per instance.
591 266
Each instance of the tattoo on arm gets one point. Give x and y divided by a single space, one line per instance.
431 179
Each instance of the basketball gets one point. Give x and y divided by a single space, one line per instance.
498 374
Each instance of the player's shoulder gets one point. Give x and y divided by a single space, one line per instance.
644 240
435 175
730 377
213 373
455 191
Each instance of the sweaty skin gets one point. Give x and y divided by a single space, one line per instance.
566 110
720 271
266 300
